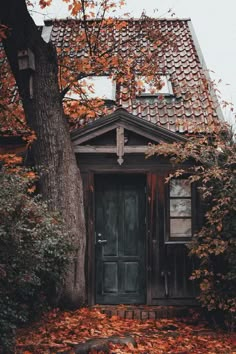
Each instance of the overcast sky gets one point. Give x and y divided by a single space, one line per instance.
214 23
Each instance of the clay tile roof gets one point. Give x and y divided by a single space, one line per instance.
182 112
191 107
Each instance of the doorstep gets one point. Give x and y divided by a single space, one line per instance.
140 312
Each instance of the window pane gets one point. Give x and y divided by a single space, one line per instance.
180 228
180 188
146 87
180 207
102 87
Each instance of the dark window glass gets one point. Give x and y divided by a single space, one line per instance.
180 209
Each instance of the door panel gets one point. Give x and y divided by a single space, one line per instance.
120 239
110 273
131 277
131 223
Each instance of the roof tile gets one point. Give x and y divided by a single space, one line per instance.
183 64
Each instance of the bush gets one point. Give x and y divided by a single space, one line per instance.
212 167
34 254
215 244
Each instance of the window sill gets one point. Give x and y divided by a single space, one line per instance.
173 242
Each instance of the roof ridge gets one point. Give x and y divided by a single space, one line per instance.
50 21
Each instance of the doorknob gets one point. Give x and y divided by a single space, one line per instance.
101 241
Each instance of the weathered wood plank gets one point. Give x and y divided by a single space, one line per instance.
90 238
110 149
95 149
151 231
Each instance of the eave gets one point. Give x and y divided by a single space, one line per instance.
128 121
121 121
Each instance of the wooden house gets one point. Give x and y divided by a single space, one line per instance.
138 225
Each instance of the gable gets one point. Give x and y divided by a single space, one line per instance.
120 133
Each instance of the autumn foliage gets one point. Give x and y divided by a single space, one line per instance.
104 48
98 45
60 332
33 246
213 161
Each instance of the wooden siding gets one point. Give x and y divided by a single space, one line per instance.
167 265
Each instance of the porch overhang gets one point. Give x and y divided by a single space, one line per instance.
121 121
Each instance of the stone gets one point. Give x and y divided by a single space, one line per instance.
99 344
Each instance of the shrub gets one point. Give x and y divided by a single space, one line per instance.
213 162
34 254
215 244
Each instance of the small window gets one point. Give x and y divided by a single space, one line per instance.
180 209
147 87
102 87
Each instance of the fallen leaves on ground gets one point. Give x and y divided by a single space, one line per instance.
60 331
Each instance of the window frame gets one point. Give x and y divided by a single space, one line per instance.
170 92
193 217
91 95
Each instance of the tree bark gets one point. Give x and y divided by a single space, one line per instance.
60 180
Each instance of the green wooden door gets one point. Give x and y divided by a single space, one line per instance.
120 239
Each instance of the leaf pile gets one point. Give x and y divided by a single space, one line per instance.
60 331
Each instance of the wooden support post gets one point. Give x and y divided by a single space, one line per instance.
120 144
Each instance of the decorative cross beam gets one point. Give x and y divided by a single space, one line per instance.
120 148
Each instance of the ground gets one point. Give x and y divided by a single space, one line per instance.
60 331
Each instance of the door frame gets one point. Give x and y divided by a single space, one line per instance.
91 237
156 206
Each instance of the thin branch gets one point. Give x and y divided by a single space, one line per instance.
99 28
86 27
77 78
6 108
102 54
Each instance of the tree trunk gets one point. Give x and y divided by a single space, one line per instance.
60 180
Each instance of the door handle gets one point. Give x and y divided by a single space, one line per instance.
166 275
101 241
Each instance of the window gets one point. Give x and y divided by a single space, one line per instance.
180 209
103 87
147 87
